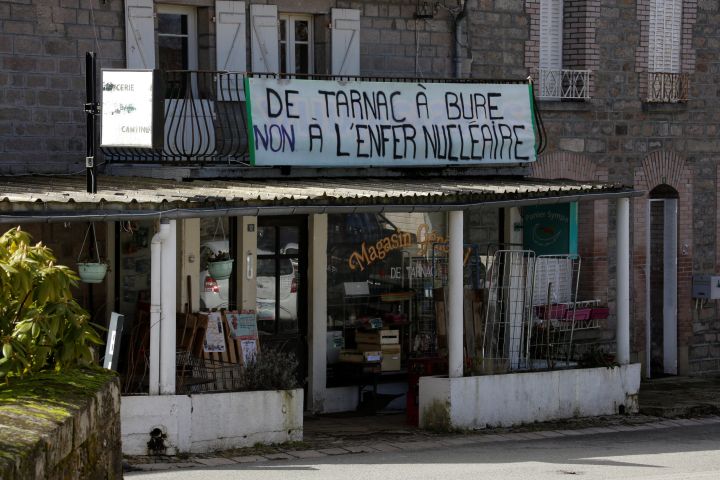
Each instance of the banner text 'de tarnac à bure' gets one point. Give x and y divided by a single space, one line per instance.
331 123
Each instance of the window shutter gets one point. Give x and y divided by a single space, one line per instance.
345 41
664 36
230 48
551 34
264 43
139 34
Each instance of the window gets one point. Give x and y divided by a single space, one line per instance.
664 41
284 43
296 52
177 46
666 83
177 38
565 51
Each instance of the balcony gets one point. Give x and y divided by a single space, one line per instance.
556 84
205 118
205 121
666 87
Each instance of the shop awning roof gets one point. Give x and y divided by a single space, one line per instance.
38 199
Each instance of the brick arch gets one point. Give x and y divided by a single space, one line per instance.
571 166
592 218
657 168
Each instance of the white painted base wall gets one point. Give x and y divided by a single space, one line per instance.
207 422
517 398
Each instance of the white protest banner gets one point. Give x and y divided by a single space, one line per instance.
336 124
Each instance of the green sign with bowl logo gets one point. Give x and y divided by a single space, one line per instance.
550 229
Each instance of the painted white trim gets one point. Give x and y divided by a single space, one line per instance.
670 304
192 34
290 42
455 294
622 335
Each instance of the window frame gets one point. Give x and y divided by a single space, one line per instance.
192 33
290 61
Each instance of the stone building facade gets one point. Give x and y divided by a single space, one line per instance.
614 134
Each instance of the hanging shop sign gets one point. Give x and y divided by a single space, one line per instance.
550 229
132 109
335 124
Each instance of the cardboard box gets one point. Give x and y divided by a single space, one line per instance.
378 337
391 355
356 356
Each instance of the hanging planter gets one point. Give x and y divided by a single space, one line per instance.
220 265
91 270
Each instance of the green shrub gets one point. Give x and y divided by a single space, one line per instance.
41 326
272 370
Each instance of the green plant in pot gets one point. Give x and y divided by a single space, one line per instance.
220 265
41 326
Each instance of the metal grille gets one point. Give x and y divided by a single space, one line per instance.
568 84
506 335
668 87
554 310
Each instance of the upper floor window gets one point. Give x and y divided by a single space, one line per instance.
665 36
665 55
176 37
562 50
296 44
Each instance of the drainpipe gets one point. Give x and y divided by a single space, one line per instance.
168 298
155 308
457 31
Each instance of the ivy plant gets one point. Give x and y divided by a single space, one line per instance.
41 325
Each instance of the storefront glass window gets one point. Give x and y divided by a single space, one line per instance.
382 269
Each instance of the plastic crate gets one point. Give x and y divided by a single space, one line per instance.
581 314
546 312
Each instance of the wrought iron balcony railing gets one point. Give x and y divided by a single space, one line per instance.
206 117
667 87
205 121
554 84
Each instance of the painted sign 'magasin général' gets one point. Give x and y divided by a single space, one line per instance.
331 123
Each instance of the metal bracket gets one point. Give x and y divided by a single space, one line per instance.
92 108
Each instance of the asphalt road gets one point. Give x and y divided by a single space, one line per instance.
682 453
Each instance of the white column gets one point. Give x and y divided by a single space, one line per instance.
317 333
168 326
455 295
247 263
623 282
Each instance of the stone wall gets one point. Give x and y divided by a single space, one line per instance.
42 43
58 426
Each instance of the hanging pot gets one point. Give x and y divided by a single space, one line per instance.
220 270
92 272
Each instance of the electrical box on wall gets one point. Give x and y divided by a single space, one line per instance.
706 286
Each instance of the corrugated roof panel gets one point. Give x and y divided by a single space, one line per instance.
125 196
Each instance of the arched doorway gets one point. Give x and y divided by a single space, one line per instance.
661 281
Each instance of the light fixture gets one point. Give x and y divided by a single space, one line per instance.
249 272
424 10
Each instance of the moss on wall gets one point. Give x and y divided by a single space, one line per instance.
61 425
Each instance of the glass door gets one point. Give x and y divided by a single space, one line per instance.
282 286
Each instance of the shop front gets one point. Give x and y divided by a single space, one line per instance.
383 249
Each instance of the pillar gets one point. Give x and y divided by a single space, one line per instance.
317 331
622 334
455 294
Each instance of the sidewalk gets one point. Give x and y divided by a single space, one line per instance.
345 434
